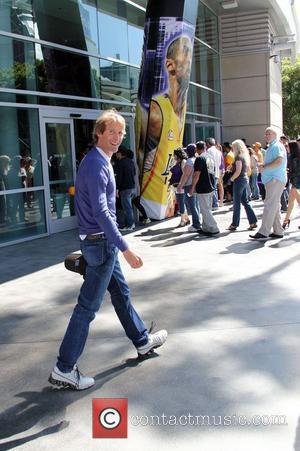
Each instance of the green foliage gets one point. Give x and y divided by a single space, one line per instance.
17 76
291 97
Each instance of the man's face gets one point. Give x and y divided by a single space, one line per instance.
182 63
270 136
111 138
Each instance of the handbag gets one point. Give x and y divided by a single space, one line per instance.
76 263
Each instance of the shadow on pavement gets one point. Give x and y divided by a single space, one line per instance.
36 255
49 405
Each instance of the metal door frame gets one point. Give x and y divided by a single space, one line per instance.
58 225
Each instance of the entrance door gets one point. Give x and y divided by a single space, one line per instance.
59 175
66 137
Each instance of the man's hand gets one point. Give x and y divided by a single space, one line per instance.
133 259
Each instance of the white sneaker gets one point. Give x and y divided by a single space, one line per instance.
128 229
154 341
192 229
74 379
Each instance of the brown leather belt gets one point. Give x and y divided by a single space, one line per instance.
98 236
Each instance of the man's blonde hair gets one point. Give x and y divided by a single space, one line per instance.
104 118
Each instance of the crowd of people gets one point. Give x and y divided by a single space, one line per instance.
206 175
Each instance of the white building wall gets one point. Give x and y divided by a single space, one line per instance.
251 74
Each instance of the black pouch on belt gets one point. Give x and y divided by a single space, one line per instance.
76 263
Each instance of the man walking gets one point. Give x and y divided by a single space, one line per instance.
100 241
203 183
274 178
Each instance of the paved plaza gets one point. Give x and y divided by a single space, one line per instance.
229 369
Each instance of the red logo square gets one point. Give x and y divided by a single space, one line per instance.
110 417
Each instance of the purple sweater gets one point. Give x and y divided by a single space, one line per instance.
95 199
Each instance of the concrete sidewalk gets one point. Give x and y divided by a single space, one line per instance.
232 310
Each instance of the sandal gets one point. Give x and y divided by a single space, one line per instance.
184 223
232 228
252 226
286 223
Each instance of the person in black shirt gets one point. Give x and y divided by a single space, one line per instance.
125 182
204 184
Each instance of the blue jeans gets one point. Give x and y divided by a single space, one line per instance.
180 201
192 203
215 197
254 185
240 196
126 197
103 273
284 199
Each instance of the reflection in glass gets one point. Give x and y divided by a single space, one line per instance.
67 73
67 22
19 218
187 136
135 41
142 3
207 26
134 83
205 67
127 141
204 102
115 84
83 133
20 145
126 23
17 17
117 27
60 167
17 64
136 21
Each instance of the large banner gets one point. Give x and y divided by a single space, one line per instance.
161 107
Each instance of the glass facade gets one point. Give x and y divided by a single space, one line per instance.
204 99
22 211
82 55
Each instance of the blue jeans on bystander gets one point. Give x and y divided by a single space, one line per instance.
240 196
126 197
193 205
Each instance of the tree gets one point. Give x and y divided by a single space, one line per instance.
291 97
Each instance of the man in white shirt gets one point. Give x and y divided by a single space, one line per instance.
216 155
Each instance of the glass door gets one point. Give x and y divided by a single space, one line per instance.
205 130
66 138
59 154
